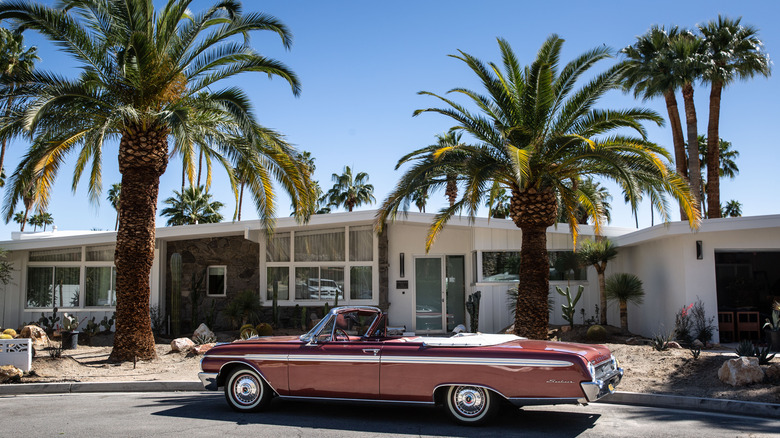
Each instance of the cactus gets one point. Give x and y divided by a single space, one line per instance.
4 336
264 329
568 309
472 306
176 294
276 303
303 318
10 332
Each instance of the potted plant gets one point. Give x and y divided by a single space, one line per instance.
70 336
772 328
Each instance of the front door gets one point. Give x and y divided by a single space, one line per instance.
439 293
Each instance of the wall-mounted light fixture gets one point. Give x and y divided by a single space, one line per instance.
402 265
699 250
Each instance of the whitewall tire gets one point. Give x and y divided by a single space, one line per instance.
471 405
246 391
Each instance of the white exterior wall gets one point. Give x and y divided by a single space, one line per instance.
10 315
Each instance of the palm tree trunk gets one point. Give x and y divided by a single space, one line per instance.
677 139
694 167
533 211
713 152
143 156
624 316
200 166
602 295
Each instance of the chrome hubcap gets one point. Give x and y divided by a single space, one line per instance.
246 389
470 400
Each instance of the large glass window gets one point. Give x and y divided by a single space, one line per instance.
102 253
216 284
39 286
565 265
500 266
314 283
320 245
278 282
100 286
49 286
361 244
56 255
277 248
360 282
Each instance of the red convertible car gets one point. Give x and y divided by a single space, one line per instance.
348 356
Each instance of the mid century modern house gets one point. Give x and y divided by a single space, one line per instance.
730 264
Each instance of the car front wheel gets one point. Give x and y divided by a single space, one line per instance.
246 391
471 405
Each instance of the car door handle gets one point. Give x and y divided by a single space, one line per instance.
371 350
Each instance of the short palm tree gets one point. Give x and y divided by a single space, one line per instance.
46 219
350 191
20 218
624 288
537 136
647 70
16 61
192 206
731 51
595 192
113 197
597 253
147 76
733 208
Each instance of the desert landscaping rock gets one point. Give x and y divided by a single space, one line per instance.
772 373
203 332
36 334
203 348
182 345
9 373
741 371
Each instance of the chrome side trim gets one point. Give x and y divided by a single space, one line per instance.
446 385
259 357
333 358
476 361
519 401
370 400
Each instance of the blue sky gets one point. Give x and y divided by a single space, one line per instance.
362 63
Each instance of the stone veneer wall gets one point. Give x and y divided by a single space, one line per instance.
241 257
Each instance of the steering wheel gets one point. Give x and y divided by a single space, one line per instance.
339 332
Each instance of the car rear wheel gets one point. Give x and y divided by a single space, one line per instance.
471 405
246 391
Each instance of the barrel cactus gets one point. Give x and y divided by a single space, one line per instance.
264 329
10 332
596 333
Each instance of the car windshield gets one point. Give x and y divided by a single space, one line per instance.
346 323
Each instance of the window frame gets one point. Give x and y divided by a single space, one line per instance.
224 281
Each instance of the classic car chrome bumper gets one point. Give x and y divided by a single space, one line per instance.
599 388
209 380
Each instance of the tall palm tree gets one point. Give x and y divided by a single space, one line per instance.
113 197
147 75
624 288
349 191
192 206
36 221
447 177
537 134
420 198
732 51
728 165
598 253
20 218
687 69
598 194
16 61
498 203
46 219
647 70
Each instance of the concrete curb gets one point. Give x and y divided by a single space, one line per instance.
82 387
736 407
755 409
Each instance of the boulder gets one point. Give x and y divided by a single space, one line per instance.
36 334
10 373
698 344
741 371
773 373
203 331
635 341
182 344
203 348
673 344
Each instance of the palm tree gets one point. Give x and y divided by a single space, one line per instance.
647 69
539 136
113 197
498 203
16 61
733 208
598 194
728 164
625 288
732 51
598 253
349 191
192 206
687 69
21 219
36 221
147 76
46 219
420 198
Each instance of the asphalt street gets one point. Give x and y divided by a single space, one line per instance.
205 414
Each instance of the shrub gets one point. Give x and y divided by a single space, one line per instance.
682 325
158 320
704 327
596 333
264 329
244 308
